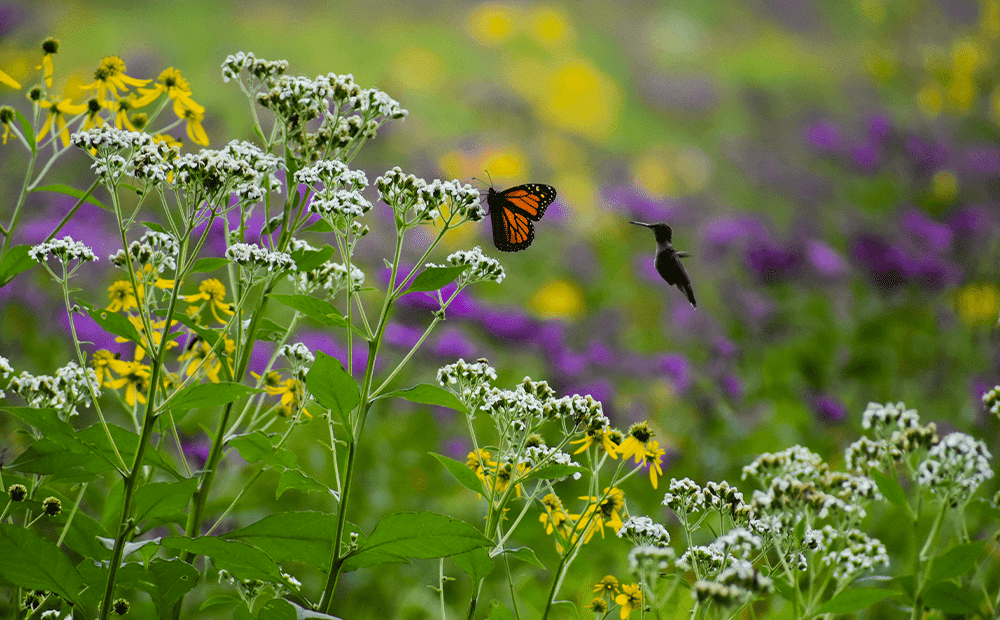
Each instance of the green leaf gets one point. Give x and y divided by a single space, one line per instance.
555 470
114 323
850 601
253 447
320 226
14 262
951 598
427 394
219 600
333 387
292 537
210 336
307 260
29 133
477 564
200 396
163 499
318 309
890 488
130 547
465 476
525 554
269 330
499 611
154 226
293 478
416 535
241 560
48 422
31 561
208 264
280 609
79 194
173 579
127 442
47 457
433 278
956 561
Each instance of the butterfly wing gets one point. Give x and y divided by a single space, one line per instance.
512 212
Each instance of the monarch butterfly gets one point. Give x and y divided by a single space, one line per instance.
513 211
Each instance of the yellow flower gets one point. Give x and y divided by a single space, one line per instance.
491 24
272 384
203 358
554 518
652 457
193 117
599 606
597 515
122 296
134 377
110 77
291 399
558 299
601 437
49 47
121 108
630 599
549 26
140 351
94 117
607 585
477 461
9 81
148 273
7 116
176 88
168 139
978 303
100 361
214 292
56 119
635 444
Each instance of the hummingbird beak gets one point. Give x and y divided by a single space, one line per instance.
641 224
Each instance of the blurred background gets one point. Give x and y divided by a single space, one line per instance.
832 167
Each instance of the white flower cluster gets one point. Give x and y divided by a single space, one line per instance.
543 456
513 409
331 174
329 276
6 370
297 354
737 584
708 559
867 454
405 191
106 138
889 416
69 388
153 162
301 245
956 466
582 411
644 531
256 67
153 248
64 250
685 497
481 267
470 382
796 461
991 400
850 552
297 97
347 204
653 559
255 257
239 168
738 543
374 103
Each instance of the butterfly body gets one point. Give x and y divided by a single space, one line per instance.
668 260
513 211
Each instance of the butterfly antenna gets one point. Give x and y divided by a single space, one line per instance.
490 176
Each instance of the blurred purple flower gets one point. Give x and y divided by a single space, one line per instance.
826 261
87 330
599 354
261 355
676 369
721 233
510 325
456 448
926 156
453 344
638 206
769 262
403 336
973 220
823 136
725 347
983 159
890 266
569 363
879 128
552 337
732 386
321 341
829 409
11 15
866 156
197 449
600 389
934 235
88 226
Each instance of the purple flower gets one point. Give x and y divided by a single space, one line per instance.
826 261
879 128
721 233
600 389
599 354
676 369
823 136
453 344
934 235
926 156
638 206
891 266
322 341
570 364
983 159
972 220
260 356
732 387
771 263
552 337
829 409
87 330
509 325
456 448
403 336
865 156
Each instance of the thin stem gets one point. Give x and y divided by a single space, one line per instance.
19 205
72 513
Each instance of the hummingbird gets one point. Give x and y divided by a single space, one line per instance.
668 260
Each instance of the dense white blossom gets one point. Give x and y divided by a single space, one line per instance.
71 387
481 267
956 466
644 531
64 250
255 257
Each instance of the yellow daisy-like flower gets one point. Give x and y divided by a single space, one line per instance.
175 86
601 437
213 291
148 273
49 48
477 461
272 383
630 599
291 399
134 377
7 116
109 78
9 81
599 606
121 108
100 361
140 351
94 118
600 514
607 585
554 518
193 117
168 139
56 119
202 357
635 444
652 458
122 296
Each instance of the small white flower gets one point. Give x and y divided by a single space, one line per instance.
956 466
481 267
255 257
298 354
644 531
64 250
258 68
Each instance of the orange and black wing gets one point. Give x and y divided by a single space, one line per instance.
513 211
